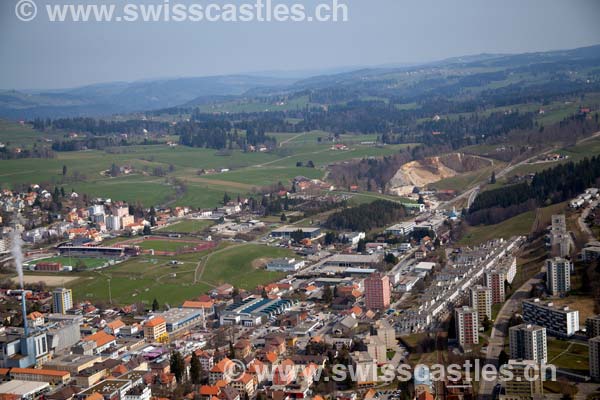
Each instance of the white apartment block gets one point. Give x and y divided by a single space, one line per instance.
561 321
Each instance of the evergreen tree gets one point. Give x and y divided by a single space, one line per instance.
327 294
195 370
155 305
493 178
177 365
64 170
361 246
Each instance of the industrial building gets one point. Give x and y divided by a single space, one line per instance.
285 232
252 310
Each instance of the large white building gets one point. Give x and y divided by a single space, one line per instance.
557 321
481 300
285 264
401 229
467 326
113 223
528 342
558 273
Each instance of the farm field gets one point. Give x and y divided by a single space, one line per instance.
12 133
247 171
188 226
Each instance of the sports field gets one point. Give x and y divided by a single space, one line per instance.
81 262
174 279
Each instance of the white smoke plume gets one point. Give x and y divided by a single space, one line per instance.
17 254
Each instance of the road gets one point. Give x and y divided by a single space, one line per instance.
471 194
500 330
583 226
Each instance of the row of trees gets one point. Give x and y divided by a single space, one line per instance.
366 216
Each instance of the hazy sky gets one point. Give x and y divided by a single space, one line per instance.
41 54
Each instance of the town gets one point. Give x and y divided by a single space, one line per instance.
400 294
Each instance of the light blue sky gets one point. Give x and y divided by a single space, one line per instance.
41 54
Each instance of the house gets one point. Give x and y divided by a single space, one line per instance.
223 290
114 327
102 340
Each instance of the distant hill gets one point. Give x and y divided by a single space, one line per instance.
404 84
124 97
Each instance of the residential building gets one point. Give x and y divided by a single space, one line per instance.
362 361
155 329
558 276
523 387
528 342
562 321
62 300
592 326
102 340
495 279
386 333
113 223
377 291
467 326
377 349
481 300
594 351
221 371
